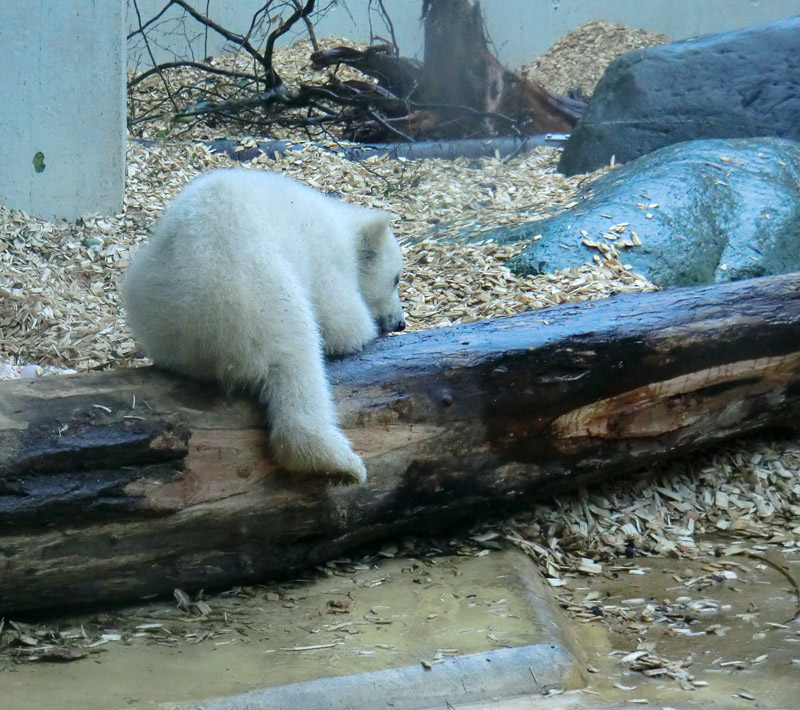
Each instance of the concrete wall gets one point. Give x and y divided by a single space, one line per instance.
519 29
62 106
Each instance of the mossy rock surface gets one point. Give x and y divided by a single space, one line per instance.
704 211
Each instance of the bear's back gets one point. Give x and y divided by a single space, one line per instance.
240 214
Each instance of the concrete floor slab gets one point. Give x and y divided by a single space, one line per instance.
482 624
481 602
358 639
477 677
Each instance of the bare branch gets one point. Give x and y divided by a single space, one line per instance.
241 40
210 68
409 101
468 110
142 27
152 57
387 21
301 12
386 123
309 27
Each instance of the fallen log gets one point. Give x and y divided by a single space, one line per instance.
123 484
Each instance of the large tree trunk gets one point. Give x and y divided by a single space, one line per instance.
460 91
123 484
459 70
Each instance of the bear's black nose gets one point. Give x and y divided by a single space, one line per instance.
400 326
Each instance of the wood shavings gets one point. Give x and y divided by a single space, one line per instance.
59 303
579 58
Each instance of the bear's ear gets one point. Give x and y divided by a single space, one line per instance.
373 226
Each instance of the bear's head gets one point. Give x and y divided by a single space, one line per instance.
380 264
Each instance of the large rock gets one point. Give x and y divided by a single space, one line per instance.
734 85
704 212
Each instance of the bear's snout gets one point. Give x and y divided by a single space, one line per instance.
387 324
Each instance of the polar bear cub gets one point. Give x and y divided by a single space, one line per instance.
250 278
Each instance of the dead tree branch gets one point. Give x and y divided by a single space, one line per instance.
210 68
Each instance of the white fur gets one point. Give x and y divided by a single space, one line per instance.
248 277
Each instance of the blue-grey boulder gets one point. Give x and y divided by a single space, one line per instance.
694 213
734 85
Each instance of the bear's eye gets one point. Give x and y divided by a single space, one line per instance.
397 280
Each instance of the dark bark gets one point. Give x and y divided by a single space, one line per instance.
123 484
399 76
460 70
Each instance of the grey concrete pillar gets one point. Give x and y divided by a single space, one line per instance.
62 106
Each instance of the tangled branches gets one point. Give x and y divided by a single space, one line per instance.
460 91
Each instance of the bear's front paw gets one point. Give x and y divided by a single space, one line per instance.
320 454
338 342
353 472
